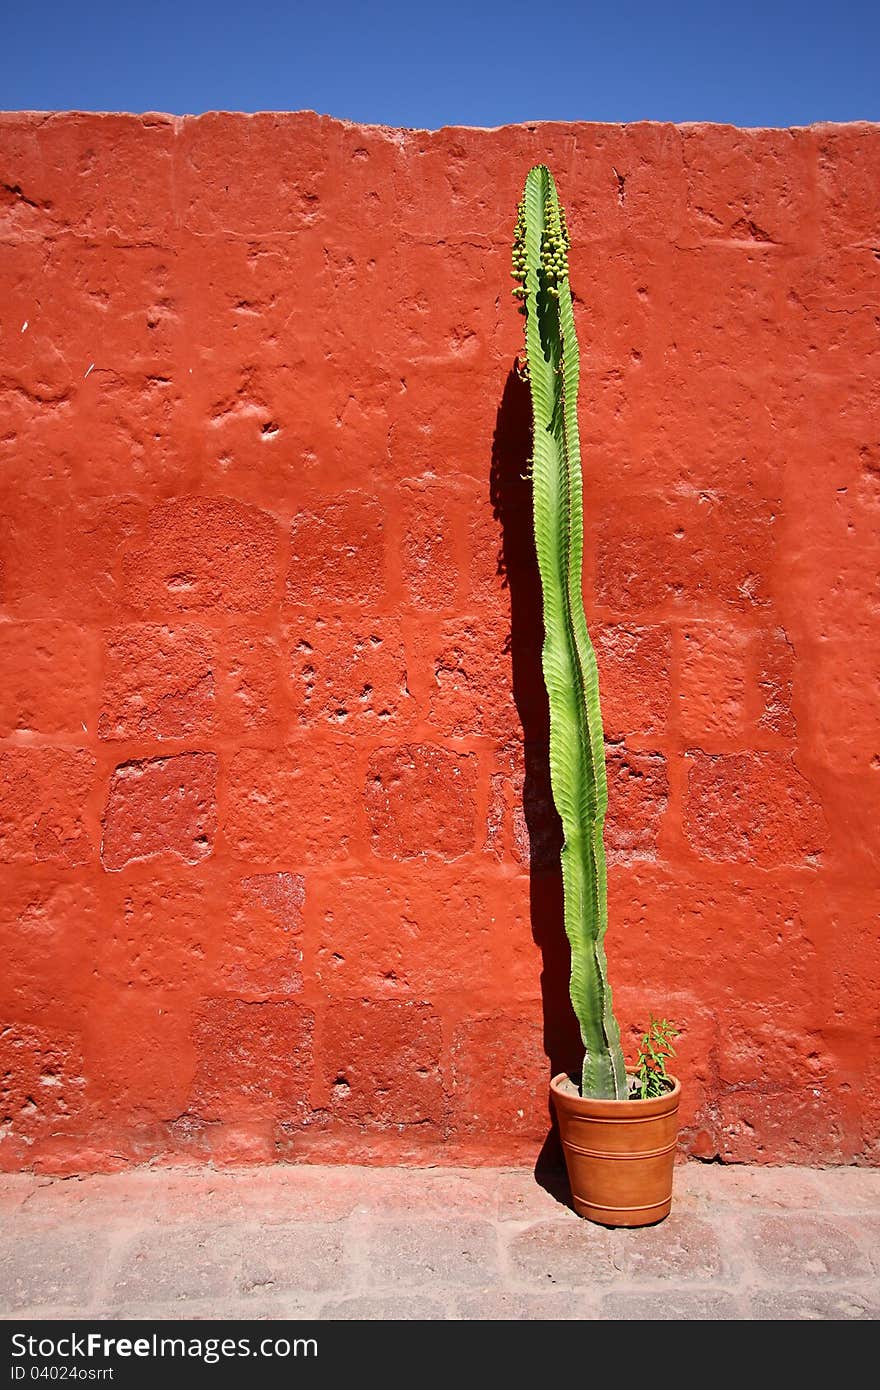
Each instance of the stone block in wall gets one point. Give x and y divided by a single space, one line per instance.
253 1058
159 807
293 804
634 677
470 687
338 554
159 682
43 799
203 553
348 674
685 553
752 808
49 676
638 795
377 932
498 1073
381 1063
420 799
715 685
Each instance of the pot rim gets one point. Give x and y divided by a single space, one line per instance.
614 1107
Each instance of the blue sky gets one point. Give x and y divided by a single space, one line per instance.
772 63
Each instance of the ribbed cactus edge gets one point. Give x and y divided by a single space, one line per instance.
577 750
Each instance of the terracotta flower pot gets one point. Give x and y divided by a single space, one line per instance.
619 1153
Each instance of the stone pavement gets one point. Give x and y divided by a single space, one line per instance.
372 1243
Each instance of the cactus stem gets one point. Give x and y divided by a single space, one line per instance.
577 759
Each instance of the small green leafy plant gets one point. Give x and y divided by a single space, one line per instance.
651 1079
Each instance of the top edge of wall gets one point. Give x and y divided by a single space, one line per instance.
166 118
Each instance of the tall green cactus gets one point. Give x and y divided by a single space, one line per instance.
577 750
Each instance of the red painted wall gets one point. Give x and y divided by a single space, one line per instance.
279 865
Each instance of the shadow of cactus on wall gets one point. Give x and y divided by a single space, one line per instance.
511 496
